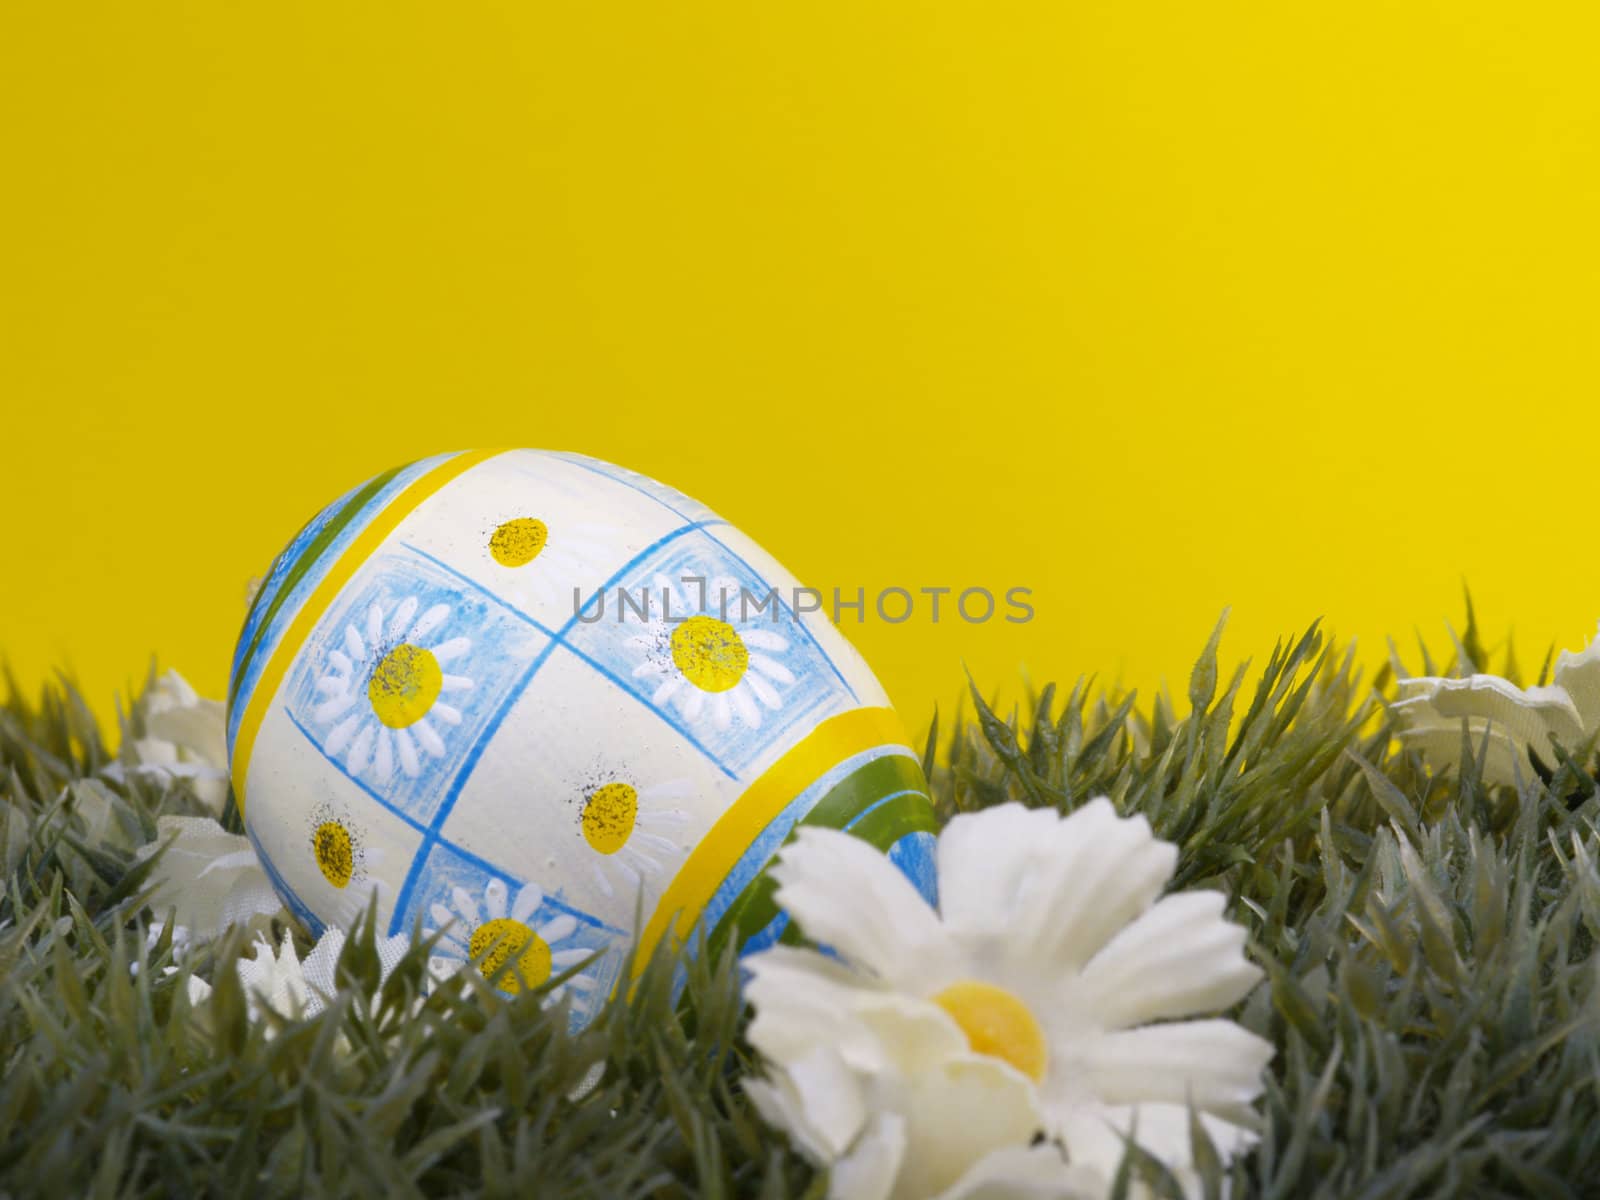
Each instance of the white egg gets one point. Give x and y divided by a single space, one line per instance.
551 709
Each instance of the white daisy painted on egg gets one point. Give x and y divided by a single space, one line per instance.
497 930
546 563
396 684
712 660
340 849
629 830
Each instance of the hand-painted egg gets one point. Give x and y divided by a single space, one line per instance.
547 707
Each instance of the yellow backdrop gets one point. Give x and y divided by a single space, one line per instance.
1152 308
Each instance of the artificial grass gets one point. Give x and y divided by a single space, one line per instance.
1428 946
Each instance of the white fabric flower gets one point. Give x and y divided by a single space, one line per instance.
211 878
185 738
1518 721
277 979
1045 995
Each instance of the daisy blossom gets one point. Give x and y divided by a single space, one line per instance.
1521 724
278 980
184 738
210 878
1053 961
709 657
493 927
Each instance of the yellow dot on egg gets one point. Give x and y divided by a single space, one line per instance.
335 855
517 543
404 685
710 653
511 938
997 1023
608 817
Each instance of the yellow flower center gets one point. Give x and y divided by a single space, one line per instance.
608 817
998 1024
510 937
404 685
330 843
710 653
517 543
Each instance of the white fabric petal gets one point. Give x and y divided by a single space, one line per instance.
956 1114
1024 888
869 1170
198 726
1028 1173
1181 958
1097 1137
1430 706
1214 1062
1579 676
208 876
826 1091
847 895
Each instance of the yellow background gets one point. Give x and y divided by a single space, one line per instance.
1152 308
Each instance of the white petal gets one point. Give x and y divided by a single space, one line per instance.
383 760
330 710
446 713
455 683
1179 959
375 626
454 648
967 1109
847 895
1094 1136
361 749
1030 1173
666 691
529 897
771 668
1439 742
1215 1062
466 907
332 685
1529 718
692 702
409 762
558 929
340 662
353 644
320 969
402 618
745 707
869 1170
443 918
427 738
721 714
428 622
1579 676
829 1097
340 737
494 899
765 639
763 690
802 999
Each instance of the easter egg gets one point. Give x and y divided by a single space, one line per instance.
547 708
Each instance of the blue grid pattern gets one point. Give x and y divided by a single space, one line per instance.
565 639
